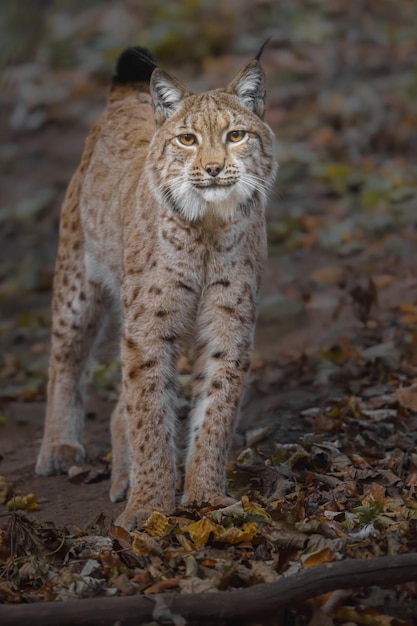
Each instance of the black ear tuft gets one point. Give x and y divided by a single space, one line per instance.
134 65
261 49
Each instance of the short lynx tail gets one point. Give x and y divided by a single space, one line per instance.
134 65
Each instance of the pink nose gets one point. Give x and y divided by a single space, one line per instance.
213 169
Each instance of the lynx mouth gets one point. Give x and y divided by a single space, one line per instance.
214 185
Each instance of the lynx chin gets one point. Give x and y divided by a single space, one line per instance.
164 221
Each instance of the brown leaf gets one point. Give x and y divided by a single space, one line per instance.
161 585
29 536
407 397
122 583
122 536
325 555
142 578
211 563
363 299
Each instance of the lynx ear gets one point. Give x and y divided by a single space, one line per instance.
249 87
167 93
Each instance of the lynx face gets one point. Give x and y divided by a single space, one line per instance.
214 149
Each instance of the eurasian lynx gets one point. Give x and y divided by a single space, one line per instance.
164 218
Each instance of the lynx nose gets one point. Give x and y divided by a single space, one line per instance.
213 169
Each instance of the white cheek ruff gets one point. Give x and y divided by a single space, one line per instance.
194 203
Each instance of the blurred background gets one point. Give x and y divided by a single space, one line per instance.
342 101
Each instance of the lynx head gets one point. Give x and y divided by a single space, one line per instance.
212 152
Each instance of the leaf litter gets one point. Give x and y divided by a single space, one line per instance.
342 498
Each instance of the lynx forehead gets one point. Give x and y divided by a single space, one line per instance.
164 221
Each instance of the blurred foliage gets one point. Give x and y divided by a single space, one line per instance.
204 27
21 29
61 33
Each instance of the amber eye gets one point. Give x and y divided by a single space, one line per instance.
187 140
236 135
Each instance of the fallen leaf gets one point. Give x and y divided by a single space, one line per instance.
407 397
324 555
157 524
144 545
367 616
23 502
122 536
6 490
237 535
161 585
199 532
255 512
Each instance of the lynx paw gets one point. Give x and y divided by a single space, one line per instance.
119 487
58 458
220 502
132 518
215 502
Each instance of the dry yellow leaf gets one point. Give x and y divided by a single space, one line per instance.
5 489
237 535
24 502
199 532
144 545
157 524
254 510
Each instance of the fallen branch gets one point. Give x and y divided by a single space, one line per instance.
244 605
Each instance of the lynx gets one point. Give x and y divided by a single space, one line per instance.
164 221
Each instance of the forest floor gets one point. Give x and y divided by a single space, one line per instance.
324 459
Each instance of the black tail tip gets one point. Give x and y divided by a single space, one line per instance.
134 65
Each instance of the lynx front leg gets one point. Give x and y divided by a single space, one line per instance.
77 315
149 388
120 452
221 371
153 331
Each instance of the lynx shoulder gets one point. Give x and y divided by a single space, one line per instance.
164 221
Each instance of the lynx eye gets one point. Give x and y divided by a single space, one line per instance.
187 140
236 135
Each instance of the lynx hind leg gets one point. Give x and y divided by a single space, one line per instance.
77 318
120 453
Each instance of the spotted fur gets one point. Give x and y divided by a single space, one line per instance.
173 235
